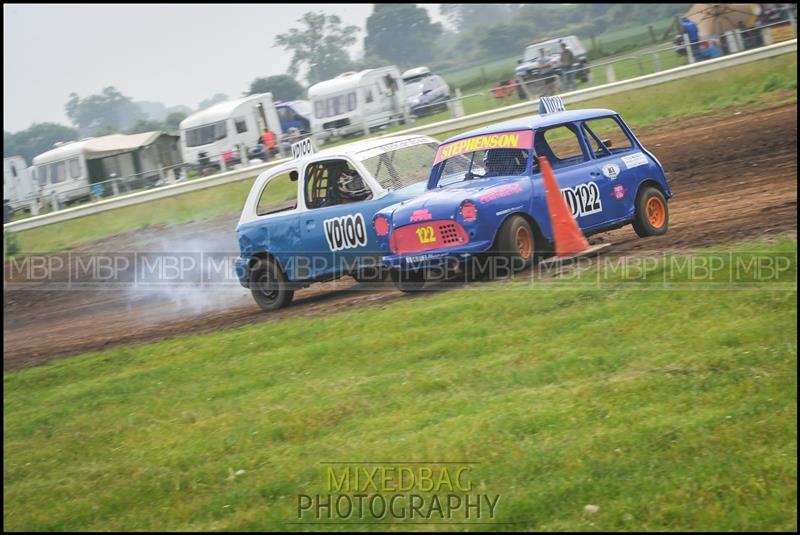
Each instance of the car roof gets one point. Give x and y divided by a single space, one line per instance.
535 121
352 149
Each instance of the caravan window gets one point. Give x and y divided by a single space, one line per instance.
203 135
41 175
74 168
13 171
58 172
331 106
241 125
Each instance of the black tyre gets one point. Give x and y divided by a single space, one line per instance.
269 285
652 213
515 246
409 281
367 275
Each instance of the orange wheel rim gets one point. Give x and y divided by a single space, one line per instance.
524 242
656 212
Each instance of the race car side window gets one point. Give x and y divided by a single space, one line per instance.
561 145
608 131
324 184
278 195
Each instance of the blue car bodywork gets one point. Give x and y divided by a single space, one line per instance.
599 182
311 240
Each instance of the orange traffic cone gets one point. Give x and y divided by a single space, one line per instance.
568 237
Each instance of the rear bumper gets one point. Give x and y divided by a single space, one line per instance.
436 258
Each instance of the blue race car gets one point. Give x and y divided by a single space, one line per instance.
308 220
486 196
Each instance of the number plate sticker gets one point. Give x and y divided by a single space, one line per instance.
583 199
426 234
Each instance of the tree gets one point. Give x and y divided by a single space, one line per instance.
35 140
146 125
499 39
467 17
401 33
320 47
173 121
207 103
282 86
110 110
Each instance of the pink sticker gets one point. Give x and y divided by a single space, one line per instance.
619 192
500 192
420 215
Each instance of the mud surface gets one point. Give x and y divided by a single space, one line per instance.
734 177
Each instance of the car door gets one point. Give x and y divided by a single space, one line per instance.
337 236
617 163
577 174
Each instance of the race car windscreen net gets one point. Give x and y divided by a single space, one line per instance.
398 165
486 156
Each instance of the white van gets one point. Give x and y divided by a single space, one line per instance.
18 187
62 173
354 102
209 133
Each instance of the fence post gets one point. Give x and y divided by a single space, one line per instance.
652 34
222 166
737 33
657 61
365 127
243 156
688 45
611 76
458 106
732 42
34 206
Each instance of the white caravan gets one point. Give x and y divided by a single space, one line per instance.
18 187
354 102
209 133
62 173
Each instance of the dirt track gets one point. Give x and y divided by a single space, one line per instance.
733 177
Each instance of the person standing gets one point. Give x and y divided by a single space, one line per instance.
567 59
268 139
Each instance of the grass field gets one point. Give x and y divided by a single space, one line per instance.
718 90
668 406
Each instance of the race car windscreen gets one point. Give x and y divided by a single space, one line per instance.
400 164
485 156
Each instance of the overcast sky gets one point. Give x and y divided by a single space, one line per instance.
174 54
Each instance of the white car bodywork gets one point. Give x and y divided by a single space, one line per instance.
354 153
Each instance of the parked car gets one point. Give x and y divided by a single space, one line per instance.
485 195
542 77
308 220
426 93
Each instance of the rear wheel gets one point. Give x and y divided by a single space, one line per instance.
515 246
269 285
652 213
409 281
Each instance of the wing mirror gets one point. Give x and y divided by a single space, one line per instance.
607 142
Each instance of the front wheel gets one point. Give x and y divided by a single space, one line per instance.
515 245
409 281
652 213
269 285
